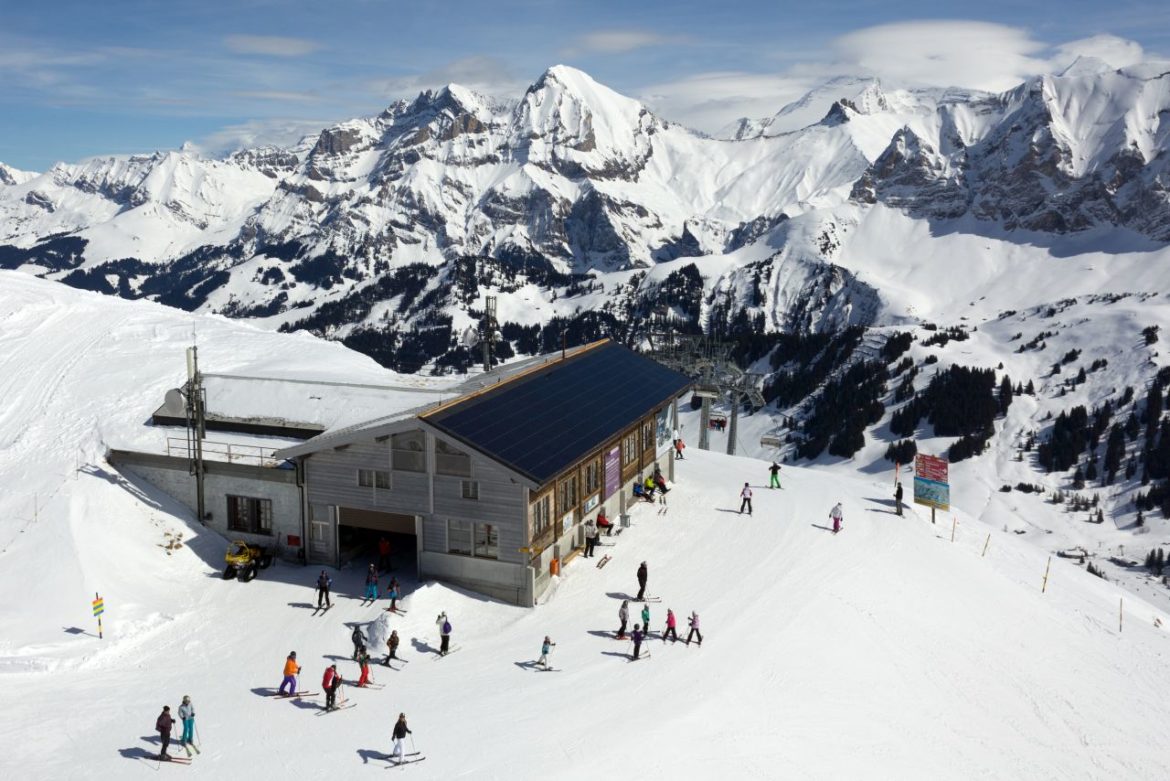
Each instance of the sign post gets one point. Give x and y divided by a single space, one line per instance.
99 607
931 484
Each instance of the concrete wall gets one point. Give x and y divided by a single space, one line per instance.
171 476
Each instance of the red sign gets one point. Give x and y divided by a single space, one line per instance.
931 468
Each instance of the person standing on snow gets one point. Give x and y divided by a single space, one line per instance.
545 647
670 624
835 516
400 733
331 677
775 471
642 573
364 661
393 593
358 641
624 615
323 584
392 645
164 723
637 638
187 716
898 499
646 619
444 634
590 537
372 583
291 671
746 497
694 623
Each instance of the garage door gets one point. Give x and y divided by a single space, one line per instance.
383 522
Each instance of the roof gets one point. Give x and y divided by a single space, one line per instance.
542 422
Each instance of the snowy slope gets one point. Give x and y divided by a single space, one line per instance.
886 651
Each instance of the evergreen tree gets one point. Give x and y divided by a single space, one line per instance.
1153 410
1030 389
1005 394
1078 479
1114 452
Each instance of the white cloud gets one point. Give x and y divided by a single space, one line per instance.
1118 52
487 75
709 101
261 132
620 41
270 45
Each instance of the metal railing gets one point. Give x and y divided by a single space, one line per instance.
225 451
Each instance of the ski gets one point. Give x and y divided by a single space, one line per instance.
346 706
397 611
643 656
294 694
402 762
647 599
174 760
618 533
188 746
372 686
604 560
449 652
322 610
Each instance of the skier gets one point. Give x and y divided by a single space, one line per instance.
646 619
323 584
670 625
372 583
604 524
590 537
187 716
624 615
393 593
364 661
400 733
746 496
678 449
637 638
694 624
384 554
660 480
898 499
642 572
392 645
291 671
545 647
444 634
775 481
358 642
163 724
327 685
835 516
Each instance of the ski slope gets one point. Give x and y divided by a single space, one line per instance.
884 652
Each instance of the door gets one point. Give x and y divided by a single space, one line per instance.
322 533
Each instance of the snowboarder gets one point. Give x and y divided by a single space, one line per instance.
746 497
642 572
775 481
624 615
694 624
835 516
358 641
637 638
330 684
384 554
163 724
444 634
590 537
604 524
372 583
545 647
671 622
898 499
187 716
364 661
392 645
400 733
646 618
323 584
291 671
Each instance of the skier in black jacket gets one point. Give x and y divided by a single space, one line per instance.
358 642
898 498
323 584
641 581
400 733
163 724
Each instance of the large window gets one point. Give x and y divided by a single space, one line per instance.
407 452
567 497
246 514
487 541
592 472
459 537
451 461
630 448
541 514
648 435
373 478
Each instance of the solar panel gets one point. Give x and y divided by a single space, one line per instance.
544 422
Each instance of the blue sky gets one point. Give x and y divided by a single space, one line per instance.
84 78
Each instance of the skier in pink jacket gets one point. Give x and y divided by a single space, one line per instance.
670 627
694 622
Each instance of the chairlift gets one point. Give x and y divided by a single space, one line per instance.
768 441
717 422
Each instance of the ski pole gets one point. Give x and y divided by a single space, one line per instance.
412 748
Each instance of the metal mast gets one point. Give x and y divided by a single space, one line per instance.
196 427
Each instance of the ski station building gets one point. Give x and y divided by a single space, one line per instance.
489 488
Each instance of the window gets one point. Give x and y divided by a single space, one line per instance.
407 452
567 496
459 537
246 514
451 461
470 489
647 434
630 448
487 541
592 477
540 514
373 478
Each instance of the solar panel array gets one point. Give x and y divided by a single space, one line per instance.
544 422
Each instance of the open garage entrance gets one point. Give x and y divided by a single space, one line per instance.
358 533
